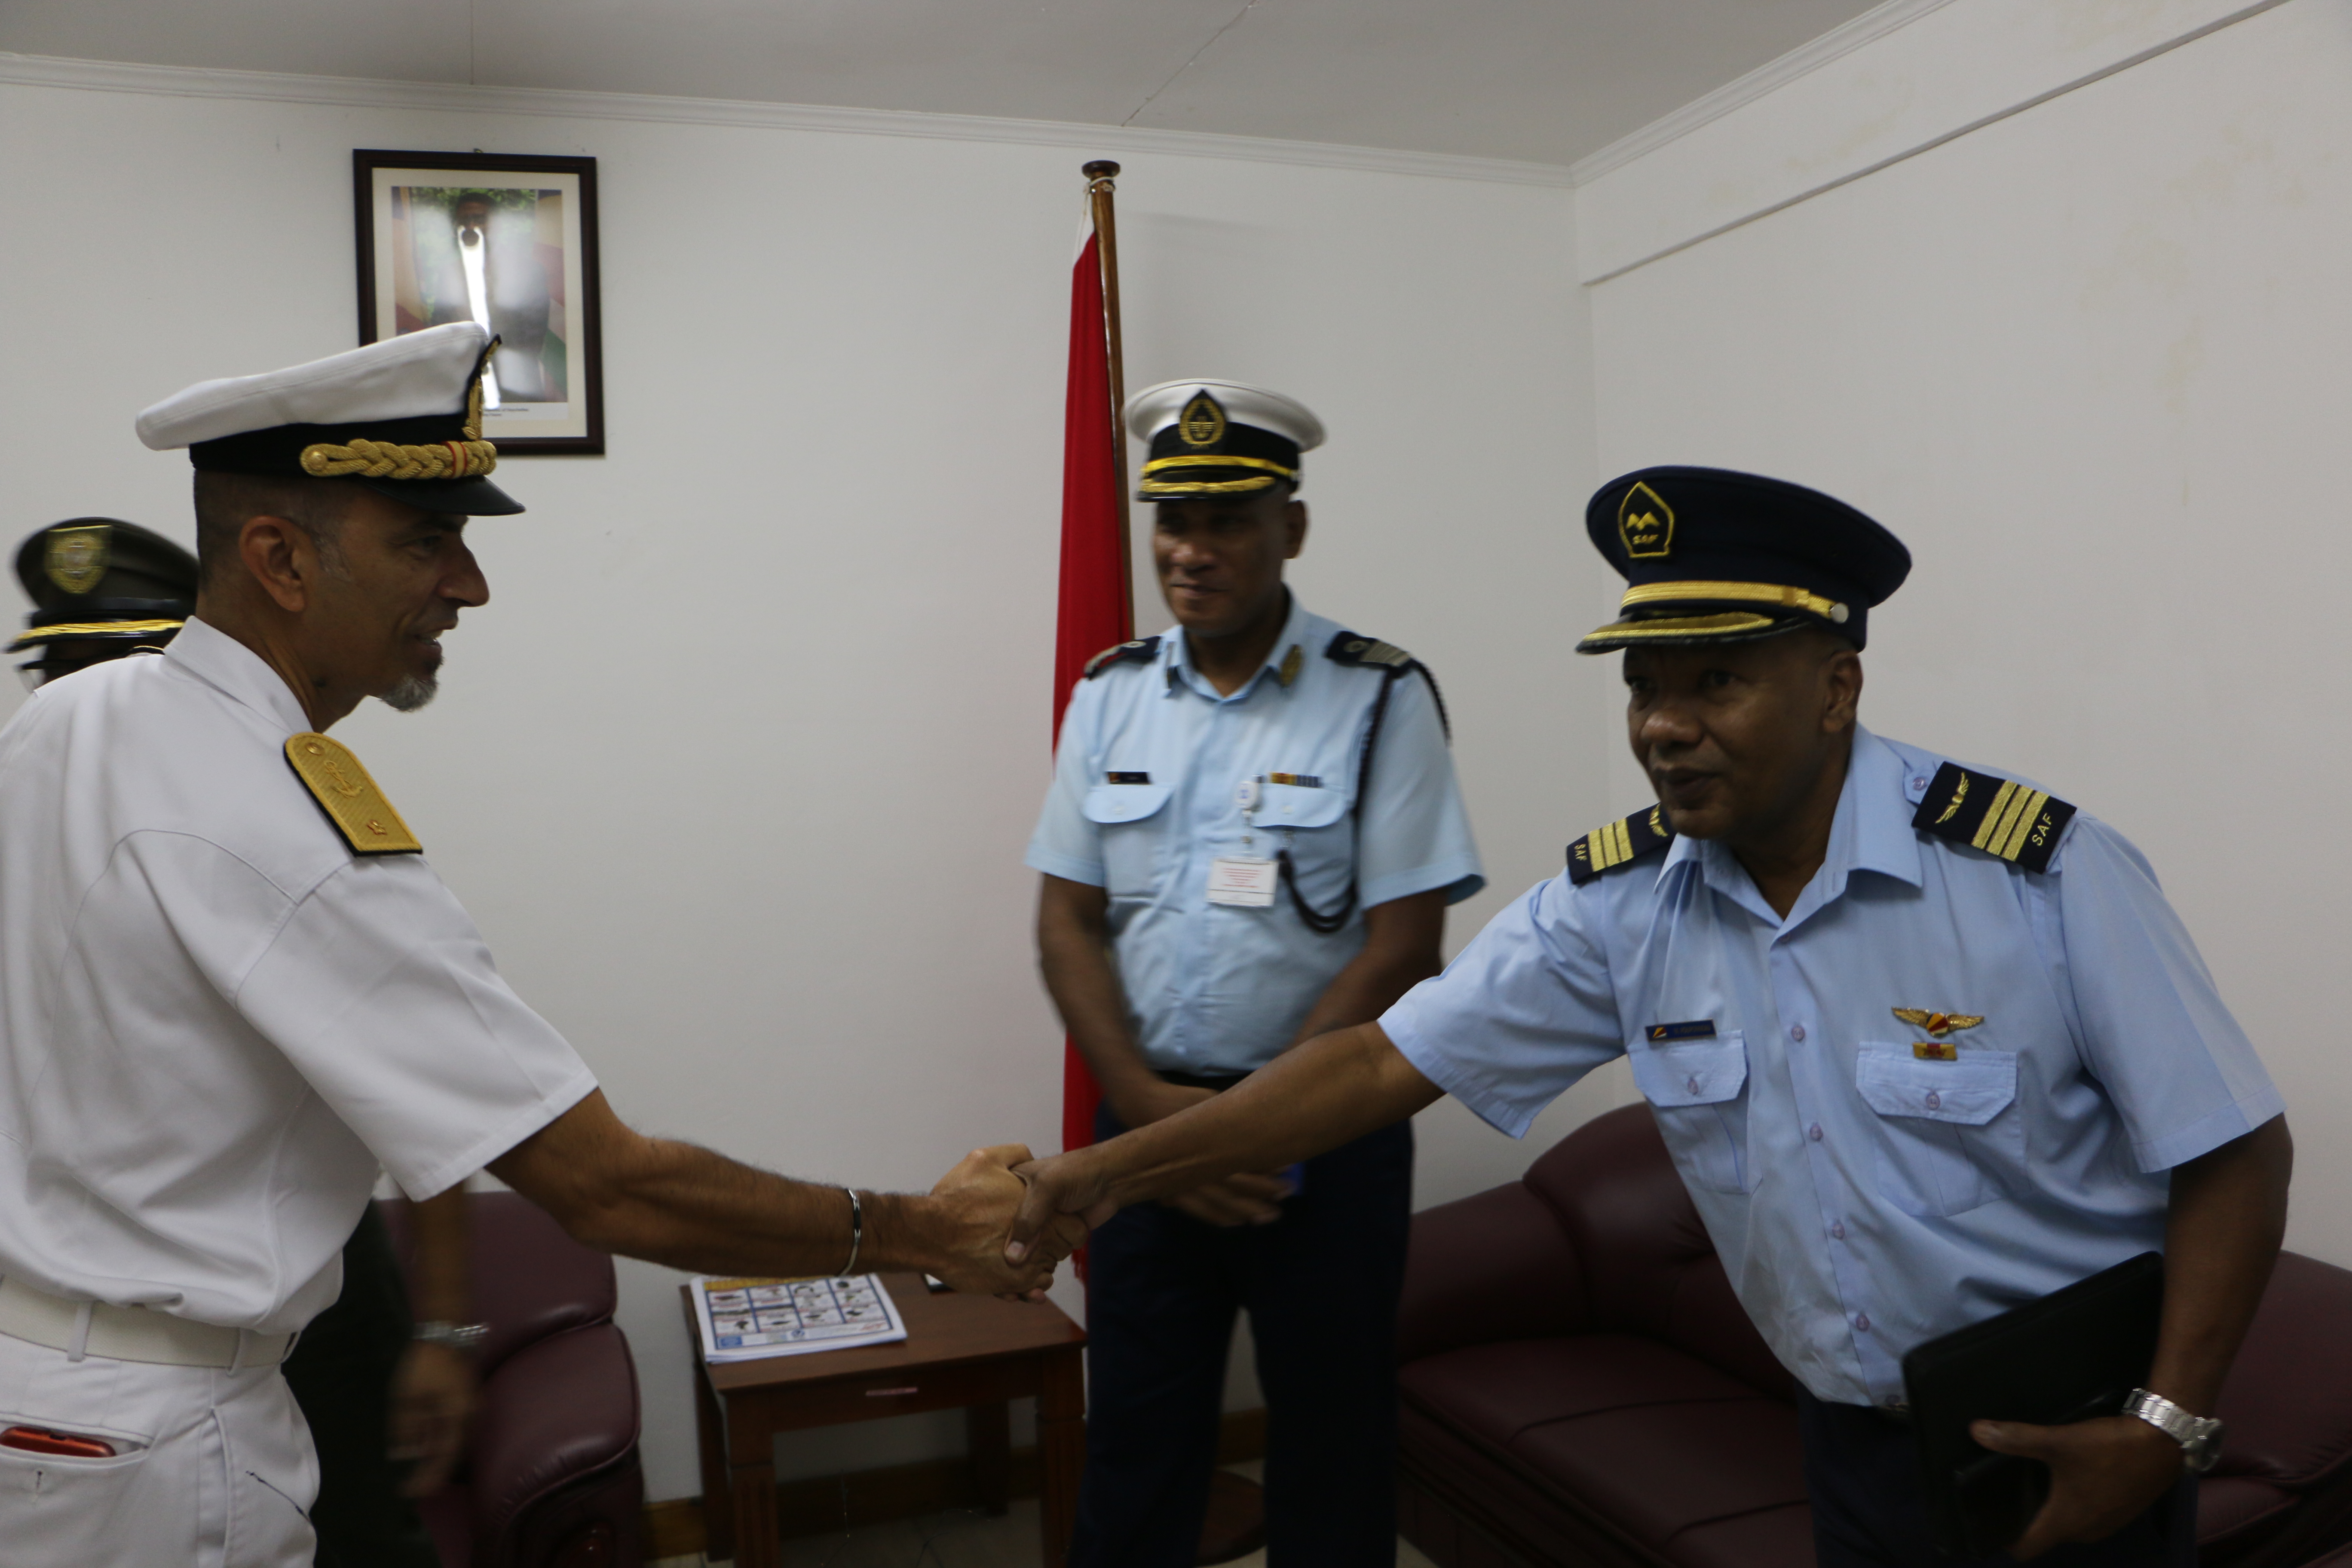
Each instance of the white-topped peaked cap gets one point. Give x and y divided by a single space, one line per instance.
1210 437
401 417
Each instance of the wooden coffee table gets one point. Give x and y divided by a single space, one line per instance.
970 1351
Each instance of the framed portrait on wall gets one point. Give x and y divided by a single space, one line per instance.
508 241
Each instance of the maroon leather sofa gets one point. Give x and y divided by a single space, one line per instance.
1579 1386
550 1477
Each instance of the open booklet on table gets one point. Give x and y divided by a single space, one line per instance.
748 1320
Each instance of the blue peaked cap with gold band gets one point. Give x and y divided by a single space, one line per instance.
1710 556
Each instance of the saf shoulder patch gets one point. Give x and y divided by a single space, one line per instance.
1620 844
1137 651
2014 821
350 798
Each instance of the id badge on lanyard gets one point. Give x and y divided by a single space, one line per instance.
1243 881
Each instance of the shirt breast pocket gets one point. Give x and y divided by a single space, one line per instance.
1694 1088
1131 824
1312 823
1947 1132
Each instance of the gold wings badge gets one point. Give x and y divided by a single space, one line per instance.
1937 1025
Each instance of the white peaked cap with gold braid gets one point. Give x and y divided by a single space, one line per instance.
403 418
1155 408
417 374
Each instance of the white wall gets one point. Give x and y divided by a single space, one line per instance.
737 769
2088 361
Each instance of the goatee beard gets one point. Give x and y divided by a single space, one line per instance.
410 694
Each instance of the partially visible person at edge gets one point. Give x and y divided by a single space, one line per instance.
1253 834
386 1396
1926 1042
232 991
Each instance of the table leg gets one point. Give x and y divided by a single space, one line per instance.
754 1488
710 1444
752 1482
989 1440
1060 1450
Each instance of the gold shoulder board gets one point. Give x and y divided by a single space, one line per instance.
1619 844
350 797
2017 821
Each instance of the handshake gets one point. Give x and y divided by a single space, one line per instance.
964 1231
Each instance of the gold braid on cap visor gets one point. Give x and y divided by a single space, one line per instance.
1273 471
390 460
366 460
1738 592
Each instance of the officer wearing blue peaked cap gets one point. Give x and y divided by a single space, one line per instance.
1926 1043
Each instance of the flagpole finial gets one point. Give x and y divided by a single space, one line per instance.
1100 169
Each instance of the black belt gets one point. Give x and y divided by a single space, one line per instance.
1219 1084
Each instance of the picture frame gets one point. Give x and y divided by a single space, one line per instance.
509 240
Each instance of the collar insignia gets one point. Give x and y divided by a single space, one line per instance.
1288 671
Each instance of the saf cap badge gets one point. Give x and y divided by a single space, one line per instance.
403 418
99 579
1219 437
1710 556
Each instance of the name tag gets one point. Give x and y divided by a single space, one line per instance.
1245 882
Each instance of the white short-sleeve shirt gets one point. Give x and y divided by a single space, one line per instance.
215 1021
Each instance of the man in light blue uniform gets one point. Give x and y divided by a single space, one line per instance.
1253 834
1926 1043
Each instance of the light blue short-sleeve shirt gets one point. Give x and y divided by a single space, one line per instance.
1865 1196
1146 795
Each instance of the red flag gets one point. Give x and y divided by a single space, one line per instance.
1096 610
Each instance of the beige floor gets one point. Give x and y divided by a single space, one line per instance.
955 1540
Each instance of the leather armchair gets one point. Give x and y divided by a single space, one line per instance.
1579 1386
550 1476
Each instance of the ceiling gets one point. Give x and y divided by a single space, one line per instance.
1550 81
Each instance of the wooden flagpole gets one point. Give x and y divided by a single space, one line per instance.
1101 175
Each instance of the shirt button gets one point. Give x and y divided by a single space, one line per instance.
1919 783
1935 1101
1862 1323
1814 1132
1797 1032
1692 1085
1837 1231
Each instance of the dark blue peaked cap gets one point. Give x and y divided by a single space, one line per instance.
1710 556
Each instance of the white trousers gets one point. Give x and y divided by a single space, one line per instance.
212 1468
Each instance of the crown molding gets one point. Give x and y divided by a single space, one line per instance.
360 92
1898 82
1773 75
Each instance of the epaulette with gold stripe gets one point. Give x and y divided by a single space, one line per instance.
1620 844
1137 651
2014 821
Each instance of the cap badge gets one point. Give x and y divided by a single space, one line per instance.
76 558
1646 522
1203 423
1937 1025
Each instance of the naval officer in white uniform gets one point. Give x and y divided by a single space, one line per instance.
231 989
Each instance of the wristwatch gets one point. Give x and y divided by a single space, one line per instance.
457 1336
2199 1436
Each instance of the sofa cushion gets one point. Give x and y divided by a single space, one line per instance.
1648 1263
1660 1470
1495 1392
1615 1437
2283 1402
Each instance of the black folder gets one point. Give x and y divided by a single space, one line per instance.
2073 1355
